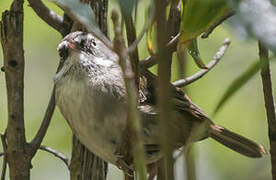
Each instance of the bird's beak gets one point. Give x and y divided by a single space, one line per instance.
67 44
65 47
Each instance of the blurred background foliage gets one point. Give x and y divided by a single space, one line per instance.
244 113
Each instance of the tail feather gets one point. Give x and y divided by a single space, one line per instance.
236 142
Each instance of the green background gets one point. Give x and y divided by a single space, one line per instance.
244 113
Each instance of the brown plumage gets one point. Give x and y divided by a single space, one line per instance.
91 95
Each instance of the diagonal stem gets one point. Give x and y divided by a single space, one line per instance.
269 105
220 53
50 17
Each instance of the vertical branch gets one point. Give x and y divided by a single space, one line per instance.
131 37
164 104
134 56
189 158
165 31
269 105
18 158
133 121
84 164
100 8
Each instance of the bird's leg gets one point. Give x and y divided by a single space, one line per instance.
152 171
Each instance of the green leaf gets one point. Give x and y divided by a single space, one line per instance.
239 82
198 16
194 52
81 11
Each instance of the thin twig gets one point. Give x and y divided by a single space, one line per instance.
133 121
269 105
131 38
152 60
217 23
163 34
36 141
148 23
50 17
56 154
210 65
4 166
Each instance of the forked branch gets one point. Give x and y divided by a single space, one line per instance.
56 154
220 53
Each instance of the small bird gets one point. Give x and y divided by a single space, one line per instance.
91 95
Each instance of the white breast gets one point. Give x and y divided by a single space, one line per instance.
97 124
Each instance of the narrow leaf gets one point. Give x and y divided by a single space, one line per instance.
149 40
80 10
239 82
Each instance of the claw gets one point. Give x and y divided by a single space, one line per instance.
122 165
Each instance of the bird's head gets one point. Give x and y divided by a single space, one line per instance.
85 49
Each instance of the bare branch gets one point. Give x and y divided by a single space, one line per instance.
210 65
217 23
133 123
50 17
152 60
56 154
269 105
11 30
131 39
35 143
164 31
4 166
134 44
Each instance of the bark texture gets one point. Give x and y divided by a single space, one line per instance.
84 164
17 152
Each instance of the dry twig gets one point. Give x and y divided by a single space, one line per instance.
50 17
210 65
56 154
152 60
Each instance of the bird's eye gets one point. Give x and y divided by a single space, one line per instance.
63 53
94 43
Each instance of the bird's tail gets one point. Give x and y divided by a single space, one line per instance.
236 142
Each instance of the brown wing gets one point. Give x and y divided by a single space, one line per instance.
181 101
186 112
